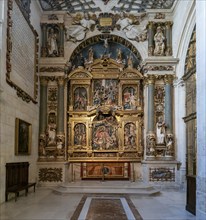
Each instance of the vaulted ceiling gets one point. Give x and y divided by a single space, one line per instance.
73 6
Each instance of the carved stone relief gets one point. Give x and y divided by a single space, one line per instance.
162 174
50 174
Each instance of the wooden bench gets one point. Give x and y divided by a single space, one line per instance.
17 175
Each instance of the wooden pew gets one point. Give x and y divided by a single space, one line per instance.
17 179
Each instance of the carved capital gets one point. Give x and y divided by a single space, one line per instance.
168 79
168 24
60 81
150 25
150 80
43 81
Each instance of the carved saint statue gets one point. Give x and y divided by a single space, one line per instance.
159 40
78 31
160 131
52 43
51 132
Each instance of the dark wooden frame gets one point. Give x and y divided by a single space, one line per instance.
22 137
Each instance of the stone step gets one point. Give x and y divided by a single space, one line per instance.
106 188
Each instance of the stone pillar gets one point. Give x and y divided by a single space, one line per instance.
43 117
44 40
169 138
150 151
150 110
201 109
60 119
168 102
168 38
61 46
150 27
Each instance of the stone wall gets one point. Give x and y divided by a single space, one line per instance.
13 107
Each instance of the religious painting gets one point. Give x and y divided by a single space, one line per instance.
104 134
105 92
23 137
129 98
130 136
80 135
105 170
80 99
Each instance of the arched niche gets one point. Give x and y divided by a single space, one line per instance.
115 44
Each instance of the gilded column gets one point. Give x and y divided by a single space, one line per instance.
43 116
168 26
150 27
150 151
60 119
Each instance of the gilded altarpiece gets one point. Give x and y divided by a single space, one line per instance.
105 118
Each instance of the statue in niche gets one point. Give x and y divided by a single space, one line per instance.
52 43
78 31
160 131
60 149
130 61
130 135
150 144
127 24
51 131
106 46
159 40
129 99
119 55
169 144
80 98
80 134
90 56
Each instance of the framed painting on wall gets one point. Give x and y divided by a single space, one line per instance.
22 137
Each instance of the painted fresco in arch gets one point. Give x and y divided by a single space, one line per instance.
104 133
105 92
80 99
130 136
129 98
80 134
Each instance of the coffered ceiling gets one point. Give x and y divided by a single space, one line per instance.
73 6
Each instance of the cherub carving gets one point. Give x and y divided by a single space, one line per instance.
128 24
81 25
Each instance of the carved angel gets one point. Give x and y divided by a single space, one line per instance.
127 23
81 24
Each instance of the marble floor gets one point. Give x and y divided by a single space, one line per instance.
44 204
